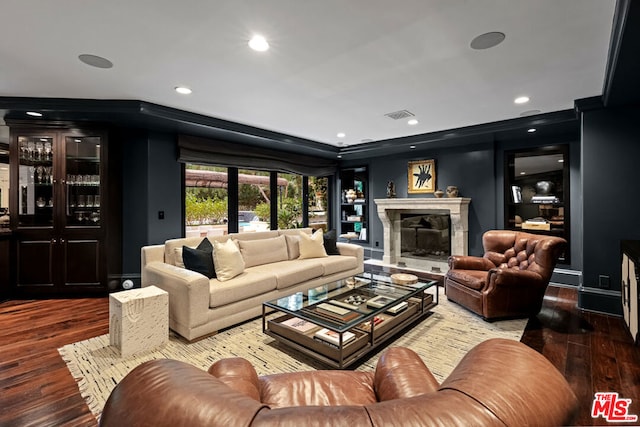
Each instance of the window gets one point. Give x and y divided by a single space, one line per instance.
290 196
254 200
300 201
318 202
206 200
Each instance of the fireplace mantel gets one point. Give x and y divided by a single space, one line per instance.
390 210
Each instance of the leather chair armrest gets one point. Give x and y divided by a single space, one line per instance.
465 262
172 393
516 383
401 373
514 277
239 374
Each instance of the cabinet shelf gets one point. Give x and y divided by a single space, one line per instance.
537 187
355 179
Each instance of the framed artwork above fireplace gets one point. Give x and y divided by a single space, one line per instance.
421 176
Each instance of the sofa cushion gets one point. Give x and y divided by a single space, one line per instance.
250 283
263 251
312 246
336 264
293 246
227 260
200 259
293 272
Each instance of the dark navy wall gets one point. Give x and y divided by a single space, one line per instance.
152 182
611 206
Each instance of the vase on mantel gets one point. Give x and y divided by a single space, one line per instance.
438 193
452 191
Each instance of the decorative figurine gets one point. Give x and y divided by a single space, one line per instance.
391 190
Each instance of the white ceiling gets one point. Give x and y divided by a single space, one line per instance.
334 65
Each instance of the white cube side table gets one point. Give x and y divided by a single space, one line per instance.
138 319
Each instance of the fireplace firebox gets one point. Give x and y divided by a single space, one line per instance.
426 235
398 214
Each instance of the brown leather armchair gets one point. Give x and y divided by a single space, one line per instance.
499 382
510 279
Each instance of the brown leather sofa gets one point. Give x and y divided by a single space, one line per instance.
510 279
498 383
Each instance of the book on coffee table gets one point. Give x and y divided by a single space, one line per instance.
299 325
336 312
334 337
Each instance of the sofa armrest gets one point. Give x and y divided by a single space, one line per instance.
350 249
239 374
188 292
514 277
466 262
401 373
172 393
154 253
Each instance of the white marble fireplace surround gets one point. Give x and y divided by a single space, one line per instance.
390 210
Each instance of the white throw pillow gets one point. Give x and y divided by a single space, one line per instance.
312 245
227 260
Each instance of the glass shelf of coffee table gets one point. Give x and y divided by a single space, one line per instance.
339 322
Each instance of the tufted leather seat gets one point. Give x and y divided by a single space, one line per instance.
510 279
498 383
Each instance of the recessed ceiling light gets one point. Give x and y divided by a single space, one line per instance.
523 173
339 156
95 61
412 122
258 43
487 40
412 147
521 100
183 90
560 160
531 130
341 134
34 114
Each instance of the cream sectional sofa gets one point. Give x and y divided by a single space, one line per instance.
199 306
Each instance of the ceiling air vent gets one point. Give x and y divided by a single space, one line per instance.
402 114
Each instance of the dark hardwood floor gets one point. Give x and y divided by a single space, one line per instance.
594 352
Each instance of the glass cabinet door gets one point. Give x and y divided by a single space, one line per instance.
82 183
36 194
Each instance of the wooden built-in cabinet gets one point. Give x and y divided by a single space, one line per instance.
64 213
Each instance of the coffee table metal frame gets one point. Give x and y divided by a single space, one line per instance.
304 305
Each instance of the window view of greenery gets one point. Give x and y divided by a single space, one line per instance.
289 201
254 195
318 201
205 200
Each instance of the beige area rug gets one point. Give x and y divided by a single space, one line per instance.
441 339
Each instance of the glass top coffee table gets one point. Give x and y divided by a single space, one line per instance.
340 322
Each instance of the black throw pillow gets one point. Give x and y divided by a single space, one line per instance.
330 239
200 259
